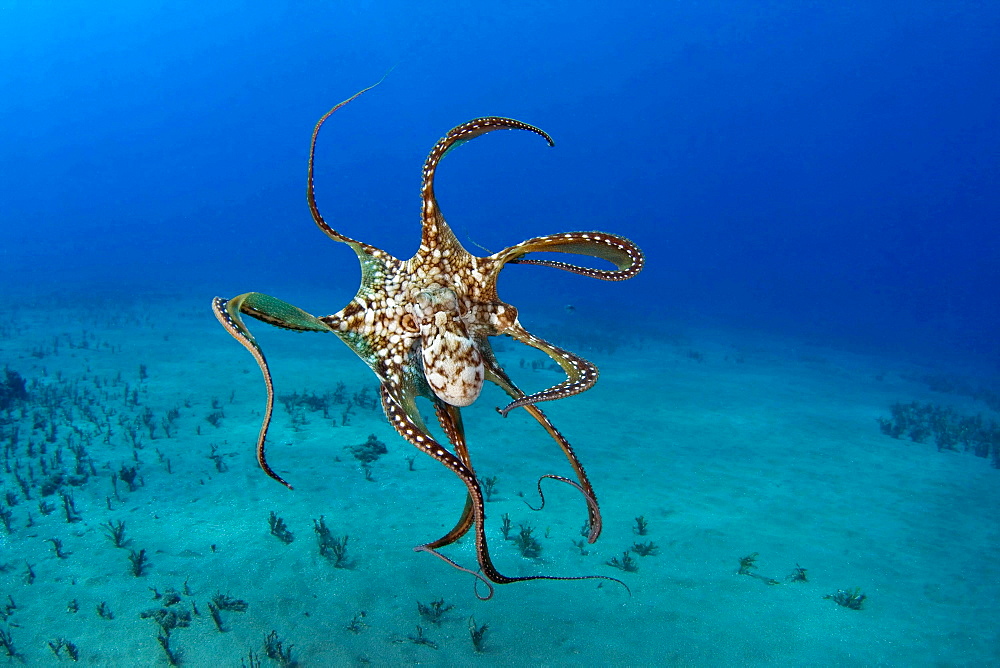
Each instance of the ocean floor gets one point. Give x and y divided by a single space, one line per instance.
727 444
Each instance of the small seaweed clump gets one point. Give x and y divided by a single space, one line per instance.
421 639
357 623
274 649
748 564
7 643
626 564
435 612
527 543
222 602
13 389
334 549
370 450
950 430
60 644
279 529
168 619
228 603
115 532
139 561
478 634
849 598
647 549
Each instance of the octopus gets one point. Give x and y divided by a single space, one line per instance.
423 326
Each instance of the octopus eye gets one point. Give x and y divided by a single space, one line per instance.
409 323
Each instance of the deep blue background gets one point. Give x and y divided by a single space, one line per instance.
812 167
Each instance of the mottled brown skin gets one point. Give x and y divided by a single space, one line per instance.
423 326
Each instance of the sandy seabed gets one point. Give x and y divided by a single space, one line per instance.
726 443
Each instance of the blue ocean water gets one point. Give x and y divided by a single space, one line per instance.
816 166
824 173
